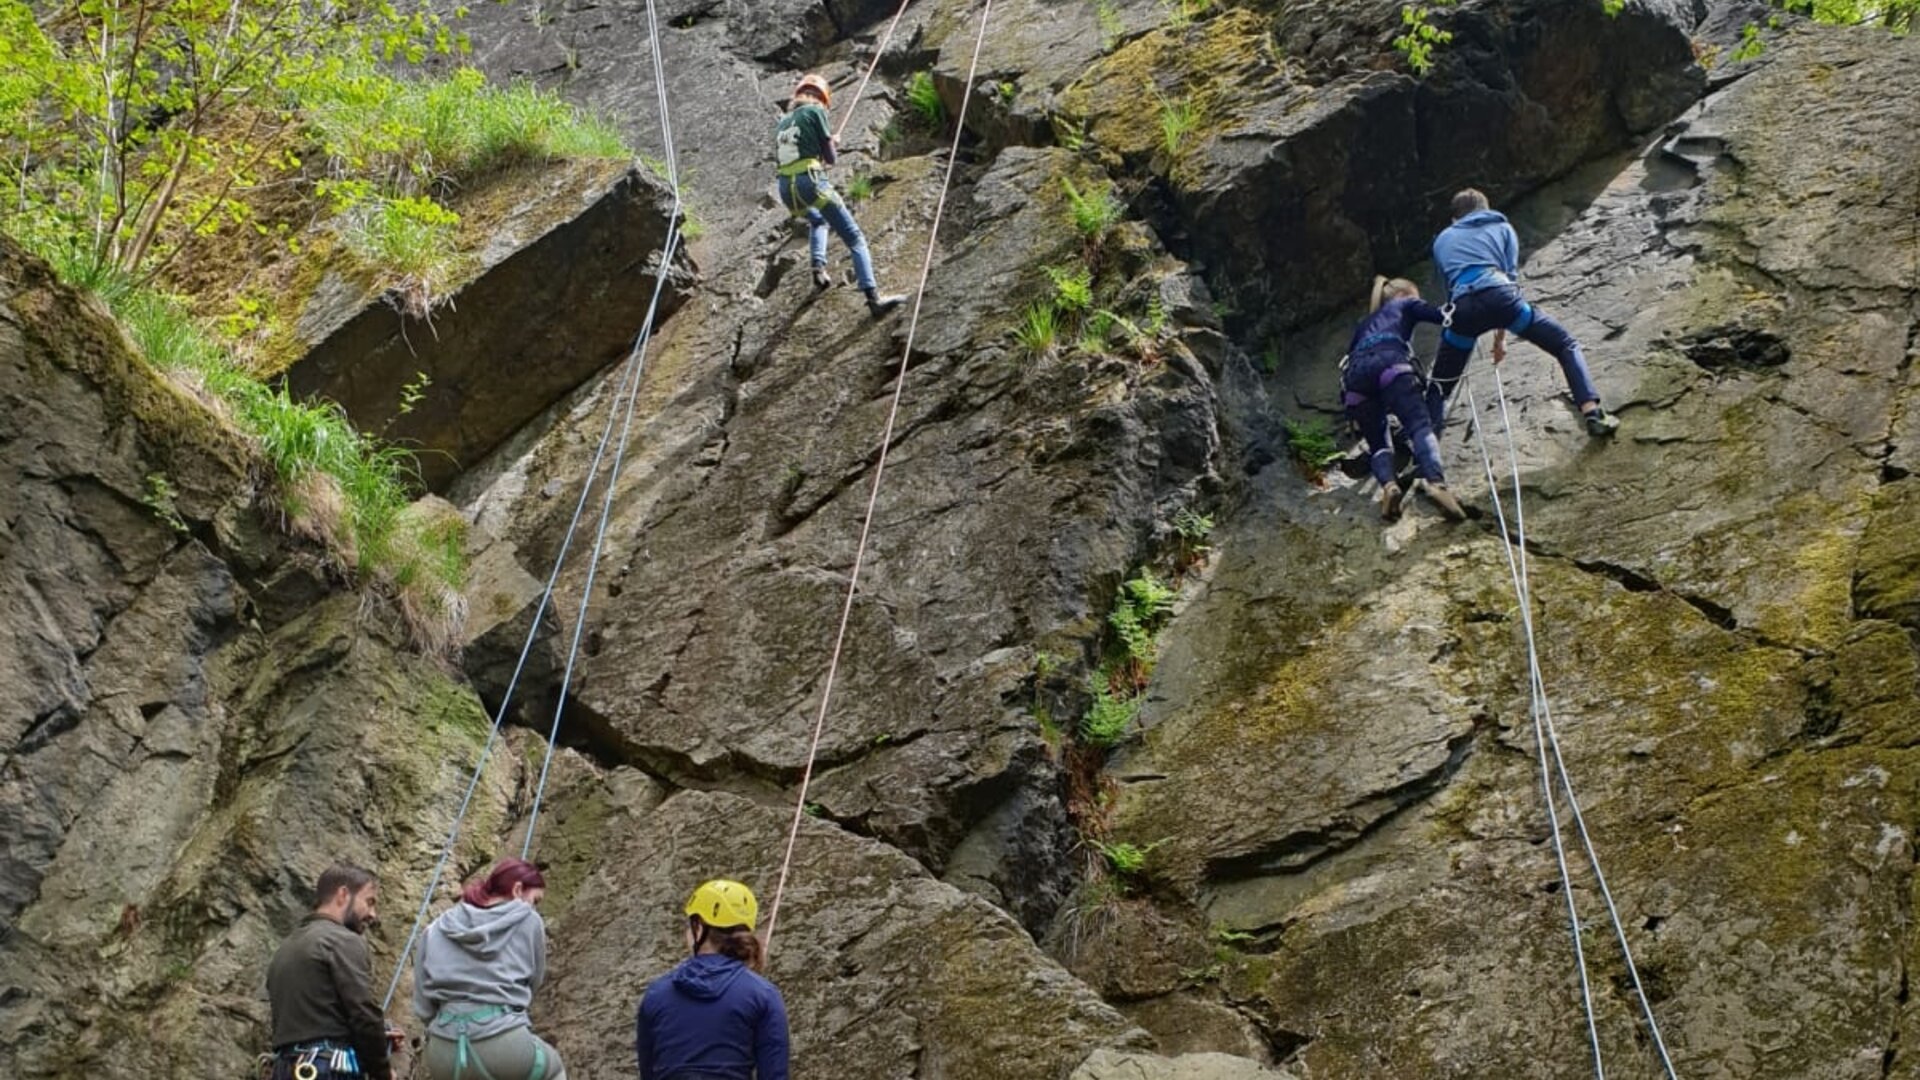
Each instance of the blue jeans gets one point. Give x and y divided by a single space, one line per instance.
1492 308
1369 400
811 195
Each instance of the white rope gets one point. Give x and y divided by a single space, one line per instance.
626 428
873 497
628 388
1539 689
1540 733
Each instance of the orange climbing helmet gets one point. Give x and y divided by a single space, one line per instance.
818 85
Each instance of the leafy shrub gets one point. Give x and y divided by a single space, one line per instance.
1421 37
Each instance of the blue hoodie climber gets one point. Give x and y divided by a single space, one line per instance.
1477 252
713 1019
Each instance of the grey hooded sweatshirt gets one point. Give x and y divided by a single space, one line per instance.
474 958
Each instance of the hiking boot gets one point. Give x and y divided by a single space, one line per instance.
1449 506
821 279
879 305
1391 496
1601 423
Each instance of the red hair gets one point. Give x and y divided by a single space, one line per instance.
499 882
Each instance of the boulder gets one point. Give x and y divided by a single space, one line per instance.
557 292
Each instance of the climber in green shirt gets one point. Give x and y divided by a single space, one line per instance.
803 148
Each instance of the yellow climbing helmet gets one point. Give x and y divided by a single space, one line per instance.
816 84
721 904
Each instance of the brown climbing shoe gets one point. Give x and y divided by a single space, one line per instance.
1391 496
1442 498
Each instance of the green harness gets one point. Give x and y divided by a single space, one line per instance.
822 195
463 1054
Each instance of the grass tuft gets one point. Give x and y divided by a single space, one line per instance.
1039 327
923 97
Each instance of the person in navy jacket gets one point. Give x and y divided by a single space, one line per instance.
714 1017
1378 378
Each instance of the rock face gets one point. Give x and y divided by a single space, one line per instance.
1717 604
184 748
1332 781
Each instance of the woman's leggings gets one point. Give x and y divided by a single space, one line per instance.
514 1054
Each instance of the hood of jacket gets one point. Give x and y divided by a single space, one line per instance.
1480 219
484 932
707 977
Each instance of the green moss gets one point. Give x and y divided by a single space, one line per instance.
1217 71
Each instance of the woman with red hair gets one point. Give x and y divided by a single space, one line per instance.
479 965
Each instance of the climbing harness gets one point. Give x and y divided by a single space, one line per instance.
879 471
463 1055
628 390
1547 738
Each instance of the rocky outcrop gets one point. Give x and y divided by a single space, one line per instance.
1298 160
557 292
1713 588
195 728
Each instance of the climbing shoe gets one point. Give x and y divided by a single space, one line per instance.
821 279
1442 498
1601 423
1391 496
879 305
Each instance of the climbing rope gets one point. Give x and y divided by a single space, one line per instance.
628 388
626 428
879 51
879 470
1547 738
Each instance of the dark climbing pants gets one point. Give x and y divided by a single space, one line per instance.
811 195
1495 308
1377 384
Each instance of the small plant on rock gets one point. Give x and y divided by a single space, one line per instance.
1109 716
1312 444
158 497
859 188
1094 212
1143 604
1039 327
1421 37
1072 288
1123 858
1193 528
924 98
1178 119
